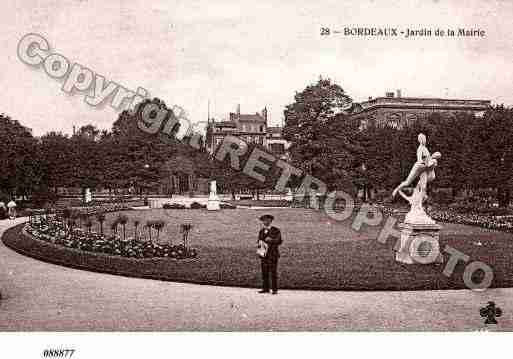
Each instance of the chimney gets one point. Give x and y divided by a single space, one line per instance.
398 92
264 114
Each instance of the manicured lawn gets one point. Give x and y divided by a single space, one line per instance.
318 252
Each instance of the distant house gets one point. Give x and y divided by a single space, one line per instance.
251 128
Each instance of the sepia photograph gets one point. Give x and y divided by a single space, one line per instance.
197 168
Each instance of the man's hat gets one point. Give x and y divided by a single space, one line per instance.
266 216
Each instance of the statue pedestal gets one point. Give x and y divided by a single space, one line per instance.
213 204
419 244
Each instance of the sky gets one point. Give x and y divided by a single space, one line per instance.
252 53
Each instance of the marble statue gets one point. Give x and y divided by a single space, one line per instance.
425 164
213 204
88 197
420 234
417 214
213 189
424 170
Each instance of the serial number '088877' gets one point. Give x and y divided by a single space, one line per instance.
58 353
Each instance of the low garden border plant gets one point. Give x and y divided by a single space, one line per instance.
68 230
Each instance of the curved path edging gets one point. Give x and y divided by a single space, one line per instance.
43 297
229 267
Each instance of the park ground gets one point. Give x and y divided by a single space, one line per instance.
318 252
39 296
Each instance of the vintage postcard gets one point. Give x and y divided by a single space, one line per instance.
241 166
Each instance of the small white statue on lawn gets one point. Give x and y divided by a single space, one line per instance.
88 197
213 189
213 203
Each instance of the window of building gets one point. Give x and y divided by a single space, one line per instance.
277 148
393 121
411 119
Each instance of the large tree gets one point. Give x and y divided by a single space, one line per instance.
87 159
20 173
143 159
56 160
323 139
493 162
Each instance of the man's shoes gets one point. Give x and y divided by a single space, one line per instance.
263 291
275 292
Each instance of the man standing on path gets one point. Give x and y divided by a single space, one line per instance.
269 237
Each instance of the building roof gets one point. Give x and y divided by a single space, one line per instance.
243 117
252 118
225 124
420 103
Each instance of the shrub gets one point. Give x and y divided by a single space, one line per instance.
114 226
173 206
149 225
137 222
158 225
100 217
186 228
88 223
196 205
123 220
66 213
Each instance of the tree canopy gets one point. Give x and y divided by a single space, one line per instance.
324 141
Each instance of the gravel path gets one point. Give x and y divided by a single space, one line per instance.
43 297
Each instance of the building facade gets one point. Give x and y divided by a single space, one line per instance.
396 111
251 128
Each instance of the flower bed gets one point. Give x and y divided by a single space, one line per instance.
55 231
499 223
484 221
